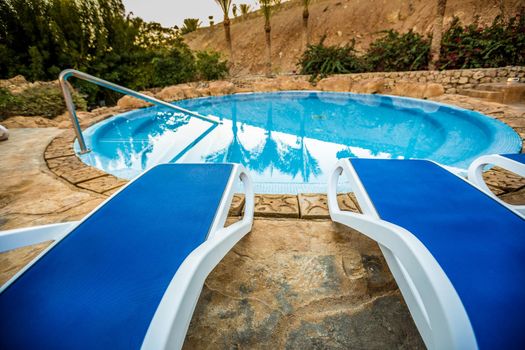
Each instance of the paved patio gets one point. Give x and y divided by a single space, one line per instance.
296 281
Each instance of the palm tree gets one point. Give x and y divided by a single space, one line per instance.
435 46
245 9
306 15
212 22
225 6
190 25
267 7
234 10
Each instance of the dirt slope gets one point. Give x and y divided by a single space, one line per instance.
340 21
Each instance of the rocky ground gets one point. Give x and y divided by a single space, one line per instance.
341 21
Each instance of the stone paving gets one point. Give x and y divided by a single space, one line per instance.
296 281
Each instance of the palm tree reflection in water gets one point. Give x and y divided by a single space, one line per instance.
272 153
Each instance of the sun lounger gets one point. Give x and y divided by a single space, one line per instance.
512 162
128 275
456 253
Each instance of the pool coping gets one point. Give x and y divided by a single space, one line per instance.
63 162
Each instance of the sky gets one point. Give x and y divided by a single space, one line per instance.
172 12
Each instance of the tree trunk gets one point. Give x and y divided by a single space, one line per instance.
268 30
306 32
502 9
435 46
227 34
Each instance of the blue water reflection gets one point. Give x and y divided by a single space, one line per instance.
290 140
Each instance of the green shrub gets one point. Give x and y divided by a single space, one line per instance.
210 66
498 45
175 67
321 60
398 52
40 100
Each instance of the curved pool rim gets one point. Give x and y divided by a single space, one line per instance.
503 136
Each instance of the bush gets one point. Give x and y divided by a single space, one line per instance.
40 100
501 44
321 60
209 66
398 52
174 67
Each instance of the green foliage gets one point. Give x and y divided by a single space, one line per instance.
210 66
40 100
175 67
190 25
321 60
398 52
39 38
500 44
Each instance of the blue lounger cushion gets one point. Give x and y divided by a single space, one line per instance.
100 286
479 243
520 157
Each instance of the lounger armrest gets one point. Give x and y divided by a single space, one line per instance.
475 175
12 239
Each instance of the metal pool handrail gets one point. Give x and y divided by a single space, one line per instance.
65 74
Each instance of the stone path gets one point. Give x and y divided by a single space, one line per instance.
29 193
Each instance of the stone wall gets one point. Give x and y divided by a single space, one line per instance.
451 80
419 84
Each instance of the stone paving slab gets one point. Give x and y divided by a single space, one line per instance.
504 180
102 184
237 205
516 197
112 191
277 205
64 162
55 150
81 175
315 205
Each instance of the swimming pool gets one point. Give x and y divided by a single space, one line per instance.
289 141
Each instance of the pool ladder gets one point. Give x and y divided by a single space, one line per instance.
66 74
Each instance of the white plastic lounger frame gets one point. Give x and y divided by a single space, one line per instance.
170 323
432 300
475 174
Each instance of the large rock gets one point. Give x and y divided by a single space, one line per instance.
171 93
417 90
221 88
433 90
289 83
129 102
339 83
189 91
370 86
266 85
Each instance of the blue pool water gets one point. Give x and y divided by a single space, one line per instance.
290 141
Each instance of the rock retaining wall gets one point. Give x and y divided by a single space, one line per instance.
419 84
